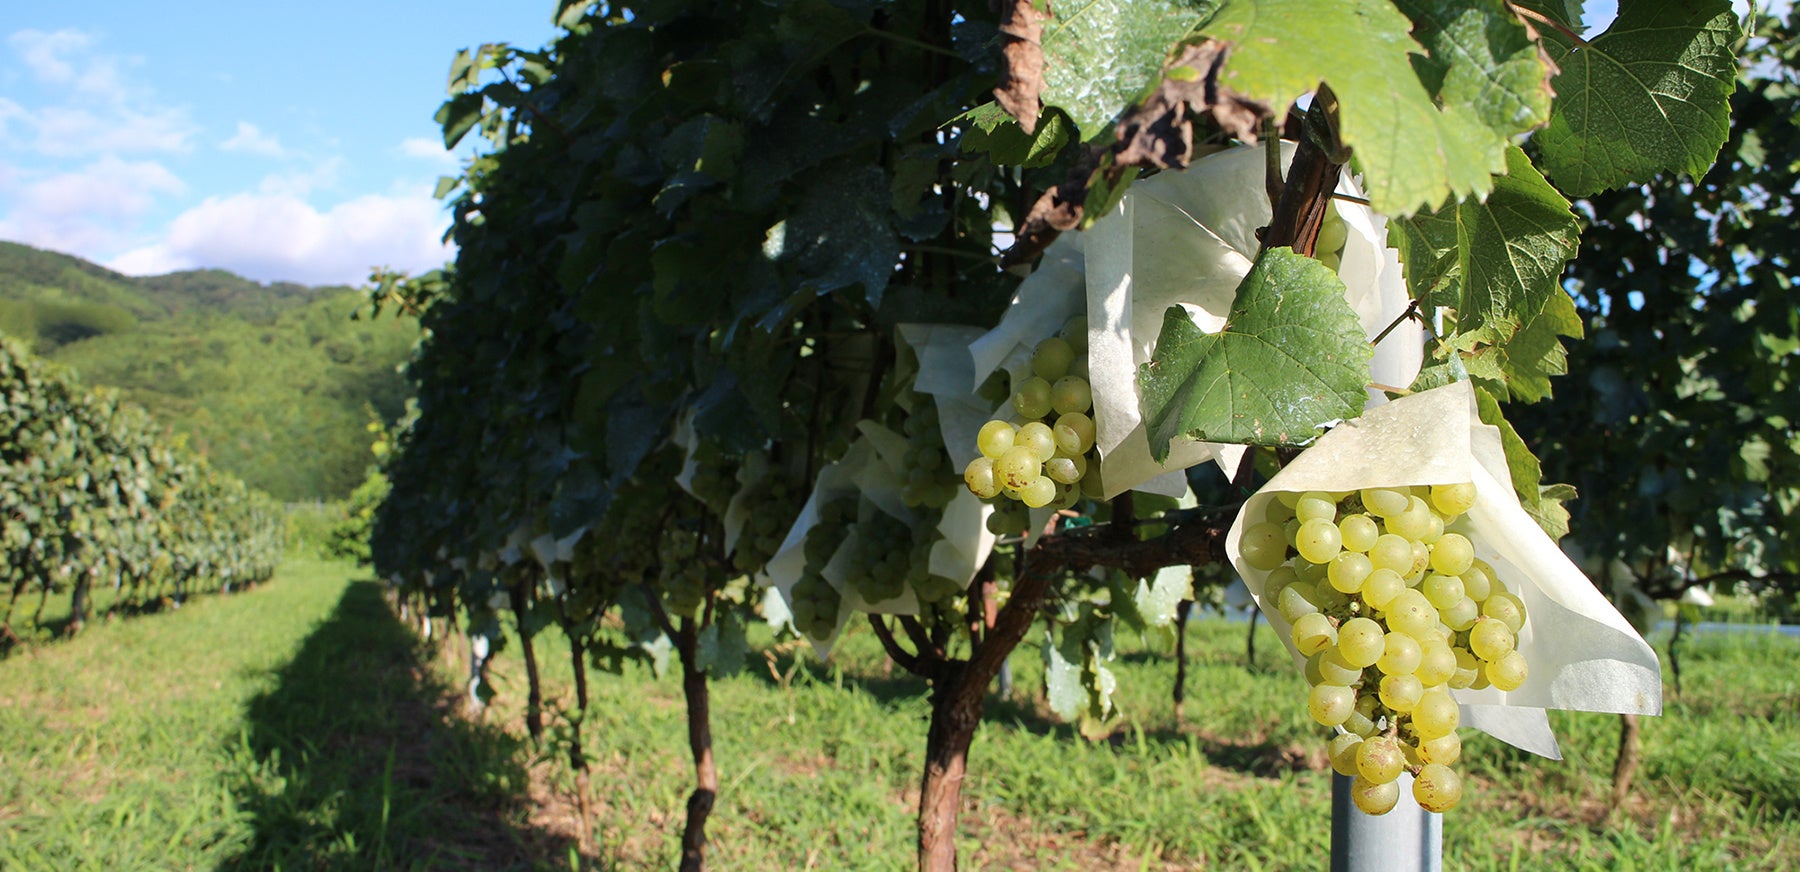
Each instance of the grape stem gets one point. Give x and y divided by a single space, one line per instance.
1412 311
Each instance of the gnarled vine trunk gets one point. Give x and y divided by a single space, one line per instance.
1625 768
706 774
534 699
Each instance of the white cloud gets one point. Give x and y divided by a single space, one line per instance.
427 149
66 57
250 139
302 183
88 107
81 210
271 237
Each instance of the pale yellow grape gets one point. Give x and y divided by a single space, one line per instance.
1445 749
1373 798
1480 682
1342 750
1393 553
1400 654
1380 759
1437 787
1333 233
1050 360
1348 570
1293 604
1330 704
1318 541
1467 667
1460 615
1358 532
1074 433
1316 505
1412 756
1508 672
1065 470
1361 641
1333 668
1434 530
1491 639
1442 590
1453 499
1313 633
1437 662
1287 498
1384 502
1452 554
1380 588
1038 493
1263 546
1032 398
1411 613
1435 714
1359 723
1018 467
1071 395
995 437
1477 583
1421 562
1037 437
1506 608
979 476
1414 523
1074 331
1401 692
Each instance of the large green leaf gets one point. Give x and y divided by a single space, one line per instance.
1291 357
1100 55
1482 57
1412 152
1649 95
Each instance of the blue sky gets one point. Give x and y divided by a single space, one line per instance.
289 141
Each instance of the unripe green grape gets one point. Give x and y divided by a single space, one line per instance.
1435 714
1421 563
1411 752
1313 633
1018 467
979 476
1064 469
1333 233
1263 546
1318 541
1358 532
1333 668
1452 554
1075 332
1036 436
1383 502
1361 642
1445 749
1380 760
1491 639
1277 512
1437 788
1330 704
1293 603
1461 614
1467 666
1442 590
1091 485
1414 523
1050 360
1039 493
995 437
1330 599
1374 798
1453 499
1359 723
1074 433
1006 519
1392 553
1434 530
1279 577
1380 588
1071 395
1401 692
1506 608
1331 259
1311 573
1411 613
1067 495
1437 662
1348 571
1477 583
1508 672
1313 671
1400 654
1342 749
1032 398
1316 505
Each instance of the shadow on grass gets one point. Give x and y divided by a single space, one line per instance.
356 760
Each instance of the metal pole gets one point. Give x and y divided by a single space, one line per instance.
1406 839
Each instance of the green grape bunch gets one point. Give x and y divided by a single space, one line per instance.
1045 456
1392 610
814 602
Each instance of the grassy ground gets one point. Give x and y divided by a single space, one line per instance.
299 726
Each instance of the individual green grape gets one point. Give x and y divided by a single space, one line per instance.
1037 437
1333 233
1380 760
1050 361
1437 788
1453 499
1414 523
1400 654
1478 584
1380 588
815 605
1358 532
1445 749
1374 798
1508 672
979 476
1348 571
1334 669
1468 666
1315 505
1331 704
1313 633
1435 714
1491 639
1074 433
1018 467
995 438
1092 487
1071 395
1452 554
1039 493
1392 553
1342 749
1066 470
1506 608
1263 546
1411 613
1293 603
1361 641
1401 692
1008 518
1032 398
1437 662
1384 502
1442 590
1318 541
1279 577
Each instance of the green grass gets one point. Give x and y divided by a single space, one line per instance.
299 726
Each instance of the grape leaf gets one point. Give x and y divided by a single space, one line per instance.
1649 95
721 647
1291 357
993 131
1482 57
1411 151
1062 678
1100 55
1542 502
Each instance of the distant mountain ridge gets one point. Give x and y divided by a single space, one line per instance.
273 382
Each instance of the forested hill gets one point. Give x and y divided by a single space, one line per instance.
272 382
